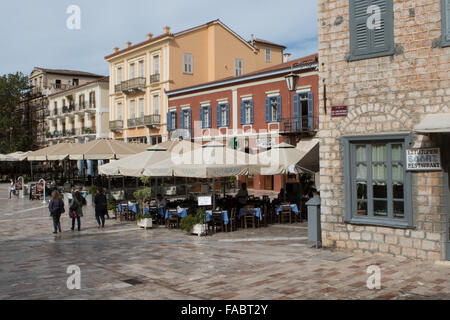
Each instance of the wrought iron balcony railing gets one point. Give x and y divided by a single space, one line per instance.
132 85
299 124
155 78
116 125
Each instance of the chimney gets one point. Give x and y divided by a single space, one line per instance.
286 57
149 36
166 29
116 49
128 44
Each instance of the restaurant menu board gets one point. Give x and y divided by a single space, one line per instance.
204 201
423 159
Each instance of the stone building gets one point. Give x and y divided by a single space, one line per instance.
384 90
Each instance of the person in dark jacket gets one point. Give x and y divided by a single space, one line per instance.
77 206
56 208
101 208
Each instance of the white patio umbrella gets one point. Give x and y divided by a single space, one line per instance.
135 165
52 153
213 160
285 158
104 149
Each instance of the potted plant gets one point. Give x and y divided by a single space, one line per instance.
112 205
144 220
195 224
92 192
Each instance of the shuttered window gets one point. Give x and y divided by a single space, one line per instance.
371 28
188 62
171 120
205 117
445 7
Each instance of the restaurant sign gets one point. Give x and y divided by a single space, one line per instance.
423 159
339 111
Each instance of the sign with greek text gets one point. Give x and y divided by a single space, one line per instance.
339 111
423 159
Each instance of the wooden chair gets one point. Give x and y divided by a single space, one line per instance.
217 221
124 211
248 218
286 213
173 220
265 216
232 221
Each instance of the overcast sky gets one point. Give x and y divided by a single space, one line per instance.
34 32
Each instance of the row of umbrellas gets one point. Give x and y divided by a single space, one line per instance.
102 149
215 160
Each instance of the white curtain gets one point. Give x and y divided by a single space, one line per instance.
379 170
361 169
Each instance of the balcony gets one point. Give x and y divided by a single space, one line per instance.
155 78
153 120
304 124
116 125
35 91
85 131
131 86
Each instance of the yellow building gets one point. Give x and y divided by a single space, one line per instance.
141 74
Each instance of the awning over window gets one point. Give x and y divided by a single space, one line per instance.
434 123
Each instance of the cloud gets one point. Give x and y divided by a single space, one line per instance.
34 33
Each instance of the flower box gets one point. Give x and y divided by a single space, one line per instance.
145 223
200 230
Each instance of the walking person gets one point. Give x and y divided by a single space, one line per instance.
76 209
12 188
101 207
56 208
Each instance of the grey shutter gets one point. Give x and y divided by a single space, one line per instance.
310 111
181 120
227 107
202 117
242 113
189 119
367 42
279 108
209 117
252 115
219 117
268 111
297 116
169 121
447 19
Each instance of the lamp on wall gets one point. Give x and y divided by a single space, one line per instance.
291 80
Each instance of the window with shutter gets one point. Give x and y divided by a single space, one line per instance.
445 8
169 121
370 37
242 113
188 63
218 116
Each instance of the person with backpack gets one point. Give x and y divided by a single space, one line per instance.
56 208
76 209
101 207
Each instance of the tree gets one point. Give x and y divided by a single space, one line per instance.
14 89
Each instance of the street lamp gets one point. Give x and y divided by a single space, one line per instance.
291 80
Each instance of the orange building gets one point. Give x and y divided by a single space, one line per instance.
141 74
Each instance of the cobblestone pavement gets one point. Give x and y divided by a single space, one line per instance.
123 262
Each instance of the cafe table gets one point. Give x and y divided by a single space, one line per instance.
293 207
256 211
182 213
209 214
131 206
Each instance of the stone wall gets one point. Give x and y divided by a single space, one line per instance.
383 95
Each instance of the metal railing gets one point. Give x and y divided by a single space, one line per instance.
116 125
152 120
299 124
133 85
155 78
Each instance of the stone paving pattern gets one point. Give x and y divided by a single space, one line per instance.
256 264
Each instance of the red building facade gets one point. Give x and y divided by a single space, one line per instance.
251 112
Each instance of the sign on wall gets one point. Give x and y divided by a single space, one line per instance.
339 111
423 159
